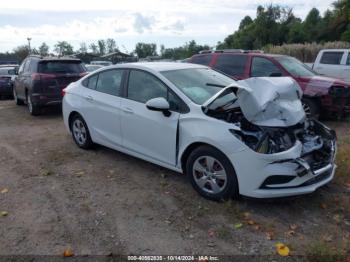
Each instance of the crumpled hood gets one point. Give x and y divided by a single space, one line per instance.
271 101
267 101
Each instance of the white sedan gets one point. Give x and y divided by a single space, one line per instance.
230 138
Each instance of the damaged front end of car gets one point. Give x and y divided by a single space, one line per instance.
290 151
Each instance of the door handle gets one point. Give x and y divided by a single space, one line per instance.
128 110
89 98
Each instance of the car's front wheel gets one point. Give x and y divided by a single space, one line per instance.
80 132
212 174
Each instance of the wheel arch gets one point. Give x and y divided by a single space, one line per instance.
186 153
70 118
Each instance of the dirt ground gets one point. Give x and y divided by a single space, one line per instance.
56 196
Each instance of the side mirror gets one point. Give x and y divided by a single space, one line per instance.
276 74
159 104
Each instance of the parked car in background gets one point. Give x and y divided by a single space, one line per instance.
7 78
322 95
91 68
102 63
333 63
40 81
249 137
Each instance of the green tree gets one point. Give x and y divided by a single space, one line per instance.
94 48
101 46
21 52
312 25
111 45
63 48
44 49
83 48
144 49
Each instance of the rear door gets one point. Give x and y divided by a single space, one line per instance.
101 107
145 132
233 65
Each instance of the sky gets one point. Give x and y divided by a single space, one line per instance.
168 22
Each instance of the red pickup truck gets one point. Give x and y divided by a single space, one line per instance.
323 96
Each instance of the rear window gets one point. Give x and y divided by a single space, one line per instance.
232 65
331 58
64 67
201 59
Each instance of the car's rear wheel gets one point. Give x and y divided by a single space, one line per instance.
311 108
80 132
18 101
212 174
33 109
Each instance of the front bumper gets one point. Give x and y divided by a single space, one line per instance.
283 174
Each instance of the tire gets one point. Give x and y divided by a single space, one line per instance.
34 110
311 108
18 101
80 132
206 181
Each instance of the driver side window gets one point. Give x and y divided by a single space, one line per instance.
143 87
263 67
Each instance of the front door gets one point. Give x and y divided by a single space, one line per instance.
147 132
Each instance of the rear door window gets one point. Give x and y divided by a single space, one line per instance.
348 59
264 67
201 59
332 58
61 67
232 65
92 81
109 82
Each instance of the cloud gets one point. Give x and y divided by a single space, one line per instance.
171 22
143 22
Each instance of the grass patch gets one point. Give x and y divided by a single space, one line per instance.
343 160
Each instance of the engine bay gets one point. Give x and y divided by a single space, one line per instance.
317 140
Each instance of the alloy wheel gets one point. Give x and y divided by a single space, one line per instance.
209 174
79 131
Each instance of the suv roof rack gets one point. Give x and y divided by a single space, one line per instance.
230 51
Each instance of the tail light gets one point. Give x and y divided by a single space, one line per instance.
63 92
39 76
83 74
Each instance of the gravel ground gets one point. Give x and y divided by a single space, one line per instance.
102 202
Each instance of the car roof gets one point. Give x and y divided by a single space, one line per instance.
8 67
159 66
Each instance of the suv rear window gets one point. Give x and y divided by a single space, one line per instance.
331 58
201 59
64 67
232 65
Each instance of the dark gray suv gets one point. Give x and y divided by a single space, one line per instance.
40 81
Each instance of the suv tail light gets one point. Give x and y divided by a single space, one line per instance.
83 74
37 76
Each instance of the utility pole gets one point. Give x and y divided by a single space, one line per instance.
30 50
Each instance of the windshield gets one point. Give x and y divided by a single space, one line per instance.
198 84
295 67
64 67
